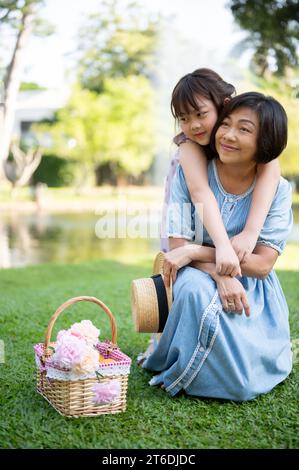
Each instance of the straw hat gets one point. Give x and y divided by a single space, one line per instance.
151 300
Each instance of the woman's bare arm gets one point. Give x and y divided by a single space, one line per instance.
201 253
231 292
181 254
258 264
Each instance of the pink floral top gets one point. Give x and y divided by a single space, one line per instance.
178 140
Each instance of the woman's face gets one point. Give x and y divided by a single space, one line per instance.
198 124
236 138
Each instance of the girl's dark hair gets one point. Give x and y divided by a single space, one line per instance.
273 124
204 82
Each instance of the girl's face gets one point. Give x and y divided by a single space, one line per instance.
236 138
198 123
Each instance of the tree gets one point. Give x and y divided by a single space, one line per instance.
21 17
273 27
114 126
109 116
119 41
22 165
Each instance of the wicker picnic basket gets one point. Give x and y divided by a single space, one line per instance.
71 395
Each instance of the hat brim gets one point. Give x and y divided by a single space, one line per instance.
148 313
158 263
158 269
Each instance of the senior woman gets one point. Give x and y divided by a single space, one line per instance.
228 337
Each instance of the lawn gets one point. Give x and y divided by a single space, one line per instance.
29 296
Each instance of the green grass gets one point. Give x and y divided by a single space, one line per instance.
296 198
29 296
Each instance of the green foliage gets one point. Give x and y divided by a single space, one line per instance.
118 41
153 420
286 91
273 27
11 11
25 86
12 14
115 126
55 172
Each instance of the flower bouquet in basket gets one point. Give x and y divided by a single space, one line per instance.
78 374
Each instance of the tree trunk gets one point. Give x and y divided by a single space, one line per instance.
86 178
12 85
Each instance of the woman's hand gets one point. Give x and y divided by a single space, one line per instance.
227 262
232 294
243 244
175 260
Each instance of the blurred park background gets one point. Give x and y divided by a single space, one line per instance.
85 123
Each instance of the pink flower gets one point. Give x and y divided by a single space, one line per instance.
74 349
88 363
106 392
61 333
69 350
85 330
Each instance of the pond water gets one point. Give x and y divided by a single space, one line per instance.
34 238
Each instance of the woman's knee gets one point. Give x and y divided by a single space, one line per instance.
192 282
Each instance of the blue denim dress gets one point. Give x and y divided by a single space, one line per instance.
204 350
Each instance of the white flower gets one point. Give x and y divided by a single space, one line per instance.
86 331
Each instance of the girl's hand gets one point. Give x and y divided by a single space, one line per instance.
175 260
233 295
243 244
227 263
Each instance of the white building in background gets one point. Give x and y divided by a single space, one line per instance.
34 106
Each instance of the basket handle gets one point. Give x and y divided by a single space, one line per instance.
72 301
